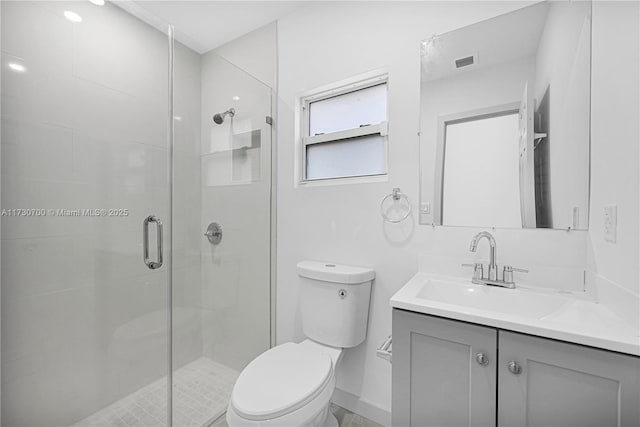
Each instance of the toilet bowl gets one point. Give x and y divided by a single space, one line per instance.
292 383
288 385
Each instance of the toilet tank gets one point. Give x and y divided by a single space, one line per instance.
334 302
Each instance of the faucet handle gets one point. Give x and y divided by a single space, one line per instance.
507 274
509 268
477 269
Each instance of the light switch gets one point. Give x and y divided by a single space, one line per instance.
610 223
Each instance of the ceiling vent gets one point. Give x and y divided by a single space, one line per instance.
465 61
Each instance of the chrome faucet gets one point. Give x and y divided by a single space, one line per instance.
492 278
493 267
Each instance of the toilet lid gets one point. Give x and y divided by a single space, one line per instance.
280 380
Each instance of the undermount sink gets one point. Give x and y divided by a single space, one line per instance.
517 302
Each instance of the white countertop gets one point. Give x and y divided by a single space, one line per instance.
573 317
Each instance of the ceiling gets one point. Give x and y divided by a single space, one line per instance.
497 40
205 25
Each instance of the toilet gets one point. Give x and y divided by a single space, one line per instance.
292 383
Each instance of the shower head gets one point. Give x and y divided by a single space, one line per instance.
219 117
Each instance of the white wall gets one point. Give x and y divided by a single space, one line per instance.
615 127
328 42
255 53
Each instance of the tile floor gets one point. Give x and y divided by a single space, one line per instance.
349 419
345 419
202 389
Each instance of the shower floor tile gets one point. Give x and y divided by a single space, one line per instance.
201 392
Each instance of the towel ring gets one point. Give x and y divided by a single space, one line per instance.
396 195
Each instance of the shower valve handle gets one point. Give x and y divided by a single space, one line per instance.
214 233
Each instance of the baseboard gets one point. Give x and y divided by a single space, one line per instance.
361 407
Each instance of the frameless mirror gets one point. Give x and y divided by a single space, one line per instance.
505 118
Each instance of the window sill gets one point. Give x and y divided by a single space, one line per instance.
343 181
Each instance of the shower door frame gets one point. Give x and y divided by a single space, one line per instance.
170 175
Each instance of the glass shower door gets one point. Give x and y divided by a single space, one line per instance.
222 182
85 159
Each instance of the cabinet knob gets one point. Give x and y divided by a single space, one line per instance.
514 367
482 359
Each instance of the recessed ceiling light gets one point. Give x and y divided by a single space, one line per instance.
72 16
236 98
19 68
97 2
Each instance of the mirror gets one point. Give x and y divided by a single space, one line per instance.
505 121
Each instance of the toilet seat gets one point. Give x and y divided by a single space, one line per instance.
280 381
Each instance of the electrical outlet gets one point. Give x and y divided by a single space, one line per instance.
610 223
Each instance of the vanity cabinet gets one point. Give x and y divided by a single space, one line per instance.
444 372
439 379
542 382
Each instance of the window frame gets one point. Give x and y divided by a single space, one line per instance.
332 91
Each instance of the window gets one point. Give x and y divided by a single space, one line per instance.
344 131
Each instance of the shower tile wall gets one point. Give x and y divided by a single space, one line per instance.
236 193
85 127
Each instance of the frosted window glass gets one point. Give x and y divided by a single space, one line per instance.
481 175
350 157
362 107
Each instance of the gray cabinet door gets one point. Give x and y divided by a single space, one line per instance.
436 378
565 385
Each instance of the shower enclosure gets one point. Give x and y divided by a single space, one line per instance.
109 152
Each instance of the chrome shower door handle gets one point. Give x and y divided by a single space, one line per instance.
153 265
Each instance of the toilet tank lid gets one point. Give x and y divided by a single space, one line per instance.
336 273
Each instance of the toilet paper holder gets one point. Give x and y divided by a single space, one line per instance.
385 350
